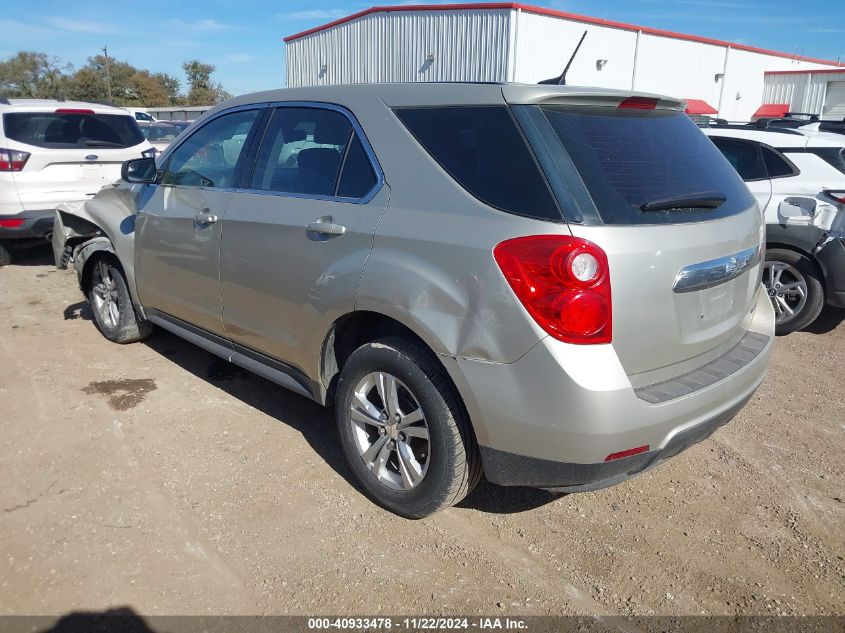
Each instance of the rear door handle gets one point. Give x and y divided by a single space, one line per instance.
205 218
324 228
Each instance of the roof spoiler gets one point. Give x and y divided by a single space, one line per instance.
560 80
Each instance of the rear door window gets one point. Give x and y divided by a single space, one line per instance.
72 130
312 152
482 149
633 160
744 156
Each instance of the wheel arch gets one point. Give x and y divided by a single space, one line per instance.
360 327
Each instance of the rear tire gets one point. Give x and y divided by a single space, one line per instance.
795 289
415 454
114 312
5 254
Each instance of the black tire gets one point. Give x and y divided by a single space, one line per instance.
125 326
800 268
5 254
453 461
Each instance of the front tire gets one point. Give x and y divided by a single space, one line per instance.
794 286
114 313
404 433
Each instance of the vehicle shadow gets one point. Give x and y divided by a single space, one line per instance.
79 310
827 321
41 255
314 422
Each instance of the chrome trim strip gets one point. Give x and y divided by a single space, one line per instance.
716 271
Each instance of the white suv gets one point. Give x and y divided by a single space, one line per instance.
798 179
53 152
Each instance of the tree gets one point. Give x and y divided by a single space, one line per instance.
201 89
171 87
147 90
34 75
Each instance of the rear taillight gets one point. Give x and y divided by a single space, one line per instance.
563 282
638 103
12 159
839 196
11 223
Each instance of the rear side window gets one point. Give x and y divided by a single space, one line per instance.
315 152
744 156
776 165
482 149
632 159
58 130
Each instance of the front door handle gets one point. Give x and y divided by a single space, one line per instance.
324 229
204 218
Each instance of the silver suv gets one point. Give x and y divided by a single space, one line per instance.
554 287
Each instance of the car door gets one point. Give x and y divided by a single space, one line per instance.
178 226
295 241
747 159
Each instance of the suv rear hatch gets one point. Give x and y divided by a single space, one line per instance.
72 151
682 233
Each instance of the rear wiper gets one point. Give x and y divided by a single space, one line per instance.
92 143
708 200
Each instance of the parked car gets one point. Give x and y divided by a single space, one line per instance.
141 116
53 152
798 179
182 125
478 278
160 135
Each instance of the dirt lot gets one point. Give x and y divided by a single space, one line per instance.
155 476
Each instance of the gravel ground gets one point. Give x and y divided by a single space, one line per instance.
157 477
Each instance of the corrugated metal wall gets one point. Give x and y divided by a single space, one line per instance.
467 46
646 62
517 45
803 92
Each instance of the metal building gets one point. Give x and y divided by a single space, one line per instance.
819 92
515 42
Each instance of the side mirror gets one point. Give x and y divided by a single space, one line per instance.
139 170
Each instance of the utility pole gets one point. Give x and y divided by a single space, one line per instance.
105 50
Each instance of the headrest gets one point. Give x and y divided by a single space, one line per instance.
319 159
332 130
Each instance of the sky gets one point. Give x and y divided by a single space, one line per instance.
243 38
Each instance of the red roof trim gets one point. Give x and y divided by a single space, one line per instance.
804 72
698 106
493 6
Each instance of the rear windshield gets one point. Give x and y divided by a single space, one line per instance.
56 130
609 163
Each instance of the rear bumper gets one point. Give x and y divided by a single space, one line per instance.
831 256
35 225
551 419
512 470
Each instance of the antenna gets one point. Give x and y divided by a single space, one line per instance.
561 80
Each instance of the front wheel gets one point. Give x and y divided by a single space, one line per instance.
794 287
404 433
111 304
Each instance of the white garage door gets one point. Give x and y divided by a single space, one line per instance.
834 101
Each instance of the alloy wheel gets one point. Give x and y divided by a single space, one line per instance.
390 431
787 290
104 290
